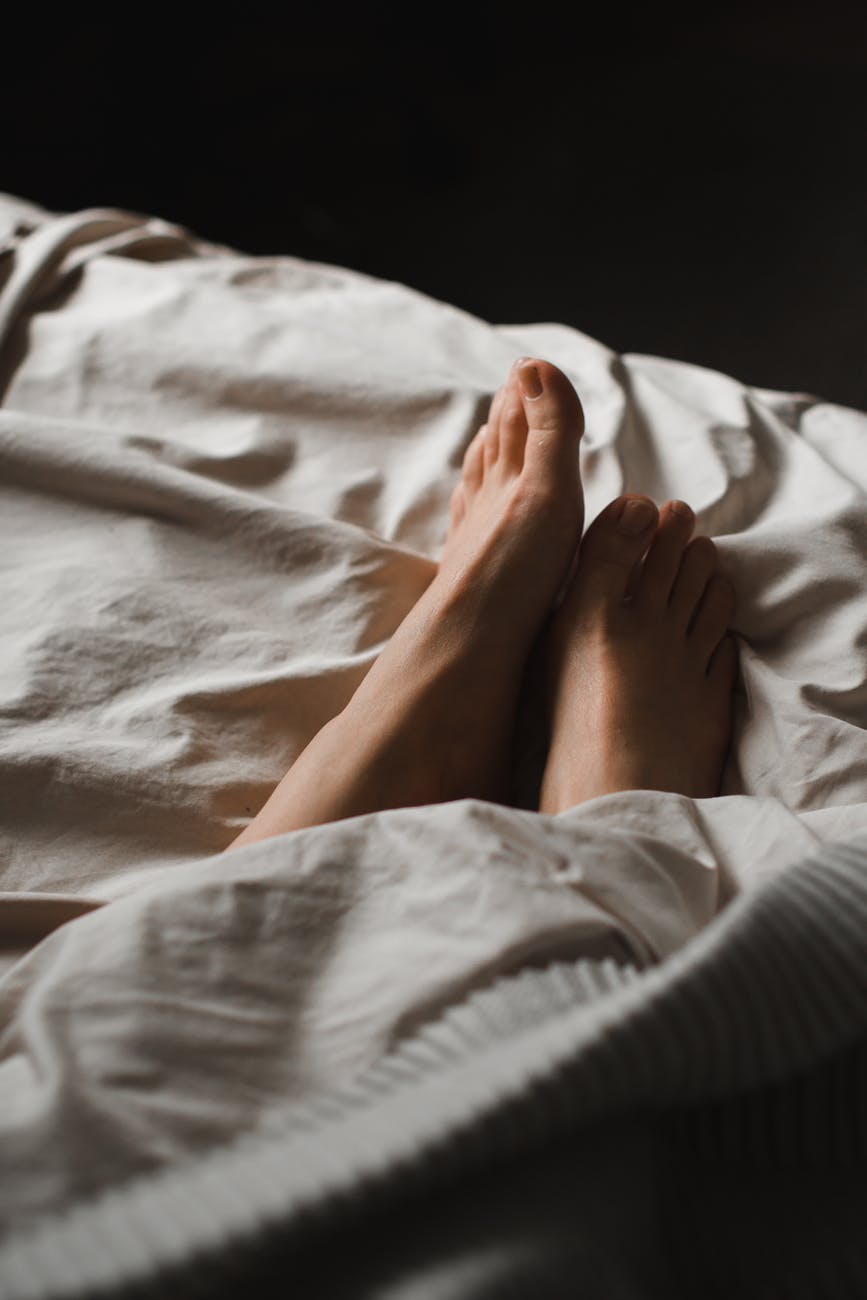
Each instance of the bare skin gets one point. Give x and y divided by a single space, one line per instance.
640 668
640 664
433 719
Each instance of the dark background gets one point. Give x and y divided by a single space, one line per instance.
690 185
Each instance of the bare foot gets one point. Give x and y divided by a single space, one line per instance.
433 719
641 665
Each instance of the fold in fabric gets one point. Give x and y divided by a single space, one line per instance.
771 988
224 480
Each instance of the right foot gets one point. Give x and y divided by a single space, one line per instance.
641 664
433 719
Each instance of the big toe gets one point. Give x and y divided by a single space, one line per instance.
554 415
612 546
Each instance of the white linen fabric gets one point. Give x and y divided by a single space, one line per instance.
223 482
583 1129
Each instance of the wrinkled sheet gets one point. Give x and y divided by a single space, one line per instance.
224 480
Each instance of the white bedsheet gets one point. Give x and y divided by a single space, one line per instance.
223 482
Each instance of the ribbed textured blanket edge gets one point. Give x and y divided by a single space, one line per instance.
772 993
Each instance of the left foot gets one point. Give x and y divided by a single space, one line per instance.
433 719
642 665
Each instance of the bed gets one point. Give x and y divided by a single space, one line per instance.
224 480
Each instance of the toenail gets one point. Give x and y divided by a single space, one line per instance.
635 517
682 509
530 381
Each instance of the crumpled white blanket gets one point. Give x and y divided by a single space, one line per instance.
224 480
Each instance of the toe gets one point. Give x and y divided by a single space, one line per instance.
712 617
492 429
662 562
611 547
457 506
513 427
555 417
473 466
697 567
